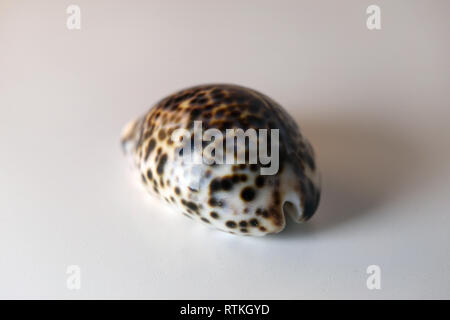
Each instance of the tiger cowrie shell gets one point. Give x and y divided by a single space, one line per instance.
231 197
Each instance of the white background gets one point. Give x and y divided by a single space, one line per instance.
375 105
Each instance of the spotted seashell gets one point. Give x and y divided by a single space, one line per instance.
233 197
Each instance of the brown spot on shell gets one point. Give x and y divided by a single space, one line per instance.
150 146
248 194
191 205
259 181
230 224
161 134
161 164
214 185
214 215
149 174
254 222
226 183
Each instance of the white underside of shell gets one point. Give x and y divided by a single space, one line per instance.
292 206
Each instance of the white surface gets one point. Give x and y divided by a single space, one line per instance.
375 105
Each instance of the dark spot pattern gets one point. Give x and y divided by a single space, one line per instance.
151 145
259 181
226 184
189 204
243 223
231 224
214 215
204 220
248 194
254 222
215 185
161 164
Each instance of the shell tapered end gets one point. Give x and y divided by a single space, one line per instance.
129 137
